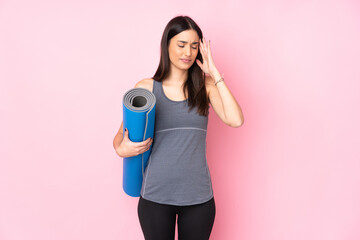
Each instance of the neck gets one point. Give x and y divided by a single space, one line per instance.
177 76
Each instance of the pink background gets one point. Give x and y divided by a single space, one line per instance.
291 172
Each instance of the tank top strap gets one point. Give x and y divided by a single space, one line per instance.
158 92
156 87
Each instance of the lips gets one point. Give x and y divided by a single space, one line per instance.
185 60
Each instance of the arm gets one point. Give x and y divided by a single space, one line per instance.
223 102
221 99
118 139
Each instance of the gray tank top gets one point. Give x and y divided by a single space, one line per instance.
177 172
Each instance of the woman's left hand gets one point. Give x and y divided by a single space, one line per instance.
208 65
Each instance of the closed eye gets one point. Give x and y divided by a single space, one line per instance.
183 46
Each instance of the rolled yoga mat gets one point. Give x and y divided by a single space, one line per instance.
139 119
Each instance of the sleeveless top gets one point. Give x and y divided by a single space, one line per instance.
177 172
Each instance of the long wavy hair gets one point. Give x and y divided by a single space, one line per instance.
195 83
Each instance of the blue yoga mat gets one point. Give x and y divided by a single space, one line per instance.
139 119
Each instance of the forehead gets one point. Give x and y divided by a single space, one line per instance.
187 35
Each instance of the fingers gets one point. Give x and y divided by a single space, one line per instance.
147 148
204 47
126 133
145 145
202 50
138 144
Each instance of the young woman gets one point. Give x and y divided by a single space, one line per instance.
177 180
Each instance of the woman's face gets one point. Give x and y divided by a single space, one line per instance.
184 46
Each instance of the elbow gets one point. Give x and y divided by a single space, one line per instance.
237 124
115 142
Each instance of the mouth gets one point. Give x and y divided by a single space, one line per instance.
185 60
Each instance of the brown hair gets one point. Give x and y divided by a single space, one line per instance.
195 84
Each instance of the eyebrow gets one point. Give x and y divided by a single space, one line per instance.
186 41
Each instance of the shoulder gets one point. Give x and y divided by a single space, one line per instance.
145 83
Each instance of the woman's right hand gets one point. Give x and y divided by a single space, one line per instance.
127 148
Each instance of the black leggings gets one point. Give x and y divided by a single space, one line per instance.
157 220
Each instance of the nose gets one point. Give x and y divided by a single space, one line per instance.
187 51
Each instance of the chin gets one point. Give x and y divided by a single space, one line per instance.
183 68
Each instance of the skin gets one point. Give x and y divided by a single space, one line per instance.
186 45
